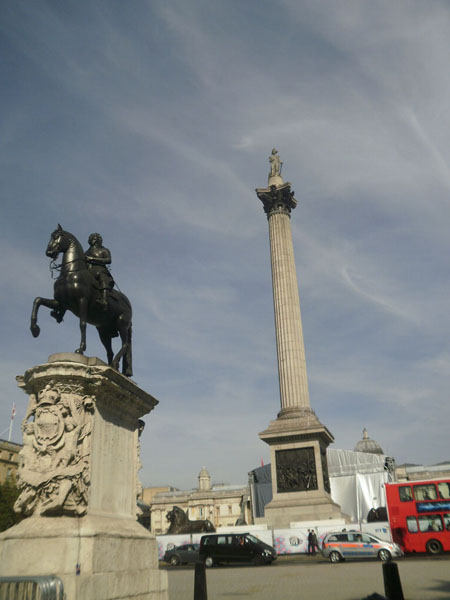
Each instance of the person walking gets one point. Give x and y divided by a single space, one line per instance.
314 541
310 542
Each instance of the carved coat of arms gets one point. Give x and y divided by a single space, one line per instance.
54 460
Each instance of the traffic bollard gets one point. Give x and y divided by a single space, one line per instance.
200 591
392 583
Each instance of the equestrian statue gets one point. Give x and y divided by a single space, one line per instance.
85 287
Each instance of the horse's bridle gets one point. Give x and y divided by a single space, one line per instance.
53 266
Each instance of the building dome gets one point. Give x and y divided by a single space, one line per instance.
368 445
204 480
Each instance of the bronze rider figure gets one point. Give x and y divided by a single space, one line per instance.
97 258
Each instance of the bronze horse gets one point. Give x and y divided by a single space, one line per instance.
76 290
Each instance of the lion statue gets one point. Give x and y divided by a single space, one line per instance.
180 523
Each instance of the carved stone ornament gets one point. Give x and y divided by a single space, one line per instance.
296 470
139 488
326 479
277 199
54 470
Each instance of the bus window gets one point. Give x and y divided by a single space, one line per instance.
430 523
405 493
447 521
425 492
444 490
411 523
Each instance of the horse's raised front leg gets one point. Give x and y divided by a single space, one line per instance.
83 319
49 303
58 314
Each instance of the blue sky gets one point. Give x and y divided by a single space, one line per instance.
152 123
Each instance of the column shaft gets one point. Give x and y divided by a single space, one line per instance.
288 325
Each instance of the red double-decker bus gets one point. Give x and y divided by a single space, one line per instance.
419 515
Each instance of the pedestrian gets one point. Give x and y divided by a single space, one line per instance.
314 541
310 542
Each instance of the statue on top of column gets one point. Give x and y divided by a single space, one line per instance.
275 164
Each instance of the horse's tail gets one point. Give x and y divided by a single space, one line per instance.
128 358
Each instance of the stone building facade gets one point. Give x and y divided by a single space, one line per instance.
409 472
406 471
9 460
223 505
148 494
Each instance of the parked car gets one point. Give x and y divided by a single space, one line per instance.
181 555
235 547
341 545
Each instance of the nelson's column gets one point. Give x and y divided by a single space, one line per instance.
297 439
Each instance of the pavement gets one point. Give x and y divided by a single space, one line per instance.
302 577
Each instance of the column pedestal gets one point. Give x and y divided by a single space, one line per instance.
300 483
78 481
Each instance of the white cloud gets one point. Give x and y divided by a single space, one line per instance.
154 126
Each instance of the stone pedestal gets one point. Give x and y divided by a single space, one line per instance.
78 481
300 483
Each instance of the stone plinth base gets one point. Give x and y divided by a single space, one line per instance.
117 558
78 482
281 513
300 483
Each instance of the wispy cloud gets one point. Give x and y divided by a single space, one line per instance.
361 285
154 125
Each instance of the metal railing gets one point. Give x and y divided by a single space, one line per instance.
39 587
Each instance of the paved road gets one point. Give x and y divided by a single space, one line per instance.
423 578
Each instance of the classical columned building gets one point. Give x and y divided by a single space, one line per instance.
9 460
223 505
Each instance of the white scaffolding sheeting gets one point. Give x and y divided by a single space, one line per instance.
357 481
347 462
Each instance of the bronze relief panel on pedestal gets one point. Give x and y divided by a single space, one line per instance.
296 470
